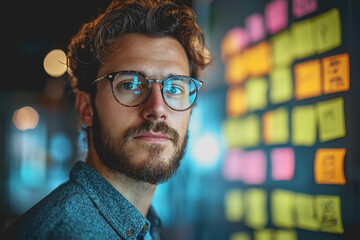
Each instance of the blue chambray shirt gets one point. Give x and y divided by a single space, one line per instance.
85 207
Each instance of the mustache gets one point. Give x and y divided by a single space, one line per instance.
148 126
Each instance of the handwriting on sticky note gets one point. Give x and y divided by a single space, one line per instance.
303 125
234 209
303 7
336 73
256 89
236 102
331 119
282 163
327 30
329 166
303 40
281 85
276 15
283 208
234 42
329 213
255 27
307 79
305 212
256 210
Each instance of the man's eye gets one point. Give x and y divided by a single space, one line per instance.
174 90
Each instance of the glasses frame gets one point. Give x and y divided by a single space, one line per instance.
111 77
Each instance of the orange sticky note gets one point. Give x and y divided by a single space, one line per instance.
236 101
336 73
234 42
307 79
260 59
236 69
329 166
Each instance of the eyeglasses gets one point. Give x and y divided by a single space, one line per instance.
132 89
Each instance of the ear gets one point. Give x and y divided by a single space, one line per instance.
84 108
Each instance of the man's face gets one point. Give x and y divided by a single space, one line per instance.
145 142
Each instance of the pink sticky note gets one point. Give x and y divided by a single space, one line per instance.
276 15
303 7
255 27
254 171
233 165
282 163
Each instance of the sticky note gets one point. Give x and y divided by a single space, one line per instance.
285 235
329 166
303 7
276 126
303 39
303 125
236 104
307 79
255 27
282 48
255 208
283 208
336 73
282 163
281 85
234 208
254 169
305 212
234 42
328 210
327 29
236 69
233 165
331 119
276 15
256 89
240 236
259 59
263 234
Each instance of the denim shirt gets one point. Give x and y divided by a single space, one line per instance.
85 207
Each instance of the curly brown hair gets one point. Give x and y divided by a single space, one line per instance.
156 18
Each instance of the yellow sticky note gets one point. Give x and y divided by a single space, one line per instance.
328 210
336 73
260 59
283 208
256 210
331 119
285 235
240 236
281 85
236 101
305 212
329 166
303 39
303 125
327 29
276 127
263 234
236 69
234 209
256 89
282 49
307 79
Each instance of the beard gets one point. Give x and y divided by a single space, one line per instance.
115 154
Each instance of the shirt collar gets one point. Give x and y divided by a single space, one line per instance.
124 218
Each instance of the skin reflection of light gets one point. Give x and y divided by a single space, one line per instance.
55 63
25 118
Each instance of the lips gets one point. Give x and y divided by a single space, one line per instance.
153 137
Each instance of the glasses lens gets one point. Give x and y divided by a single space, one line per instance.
180 92
130 88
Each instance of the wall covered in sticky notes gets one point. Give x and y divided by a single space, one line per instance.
291 167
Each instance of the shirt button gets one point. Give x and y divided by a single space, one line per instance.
144 228
129 232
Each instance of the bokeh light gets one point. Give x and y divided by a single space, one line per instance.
55 63
25 118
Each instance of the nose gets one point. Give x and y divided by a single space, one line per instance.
154 108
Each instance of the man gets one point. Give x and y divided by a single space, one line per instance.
133 70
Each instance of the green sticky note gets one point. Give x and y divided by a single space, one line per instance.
234 209
283 208
285 235
327 29
252 131
240 236
331 119
328 210
281 85
303 125
256 89
303 39
263 234
305 212
256 210
282 46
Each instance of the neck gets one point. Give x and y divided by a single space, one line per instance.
137 193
